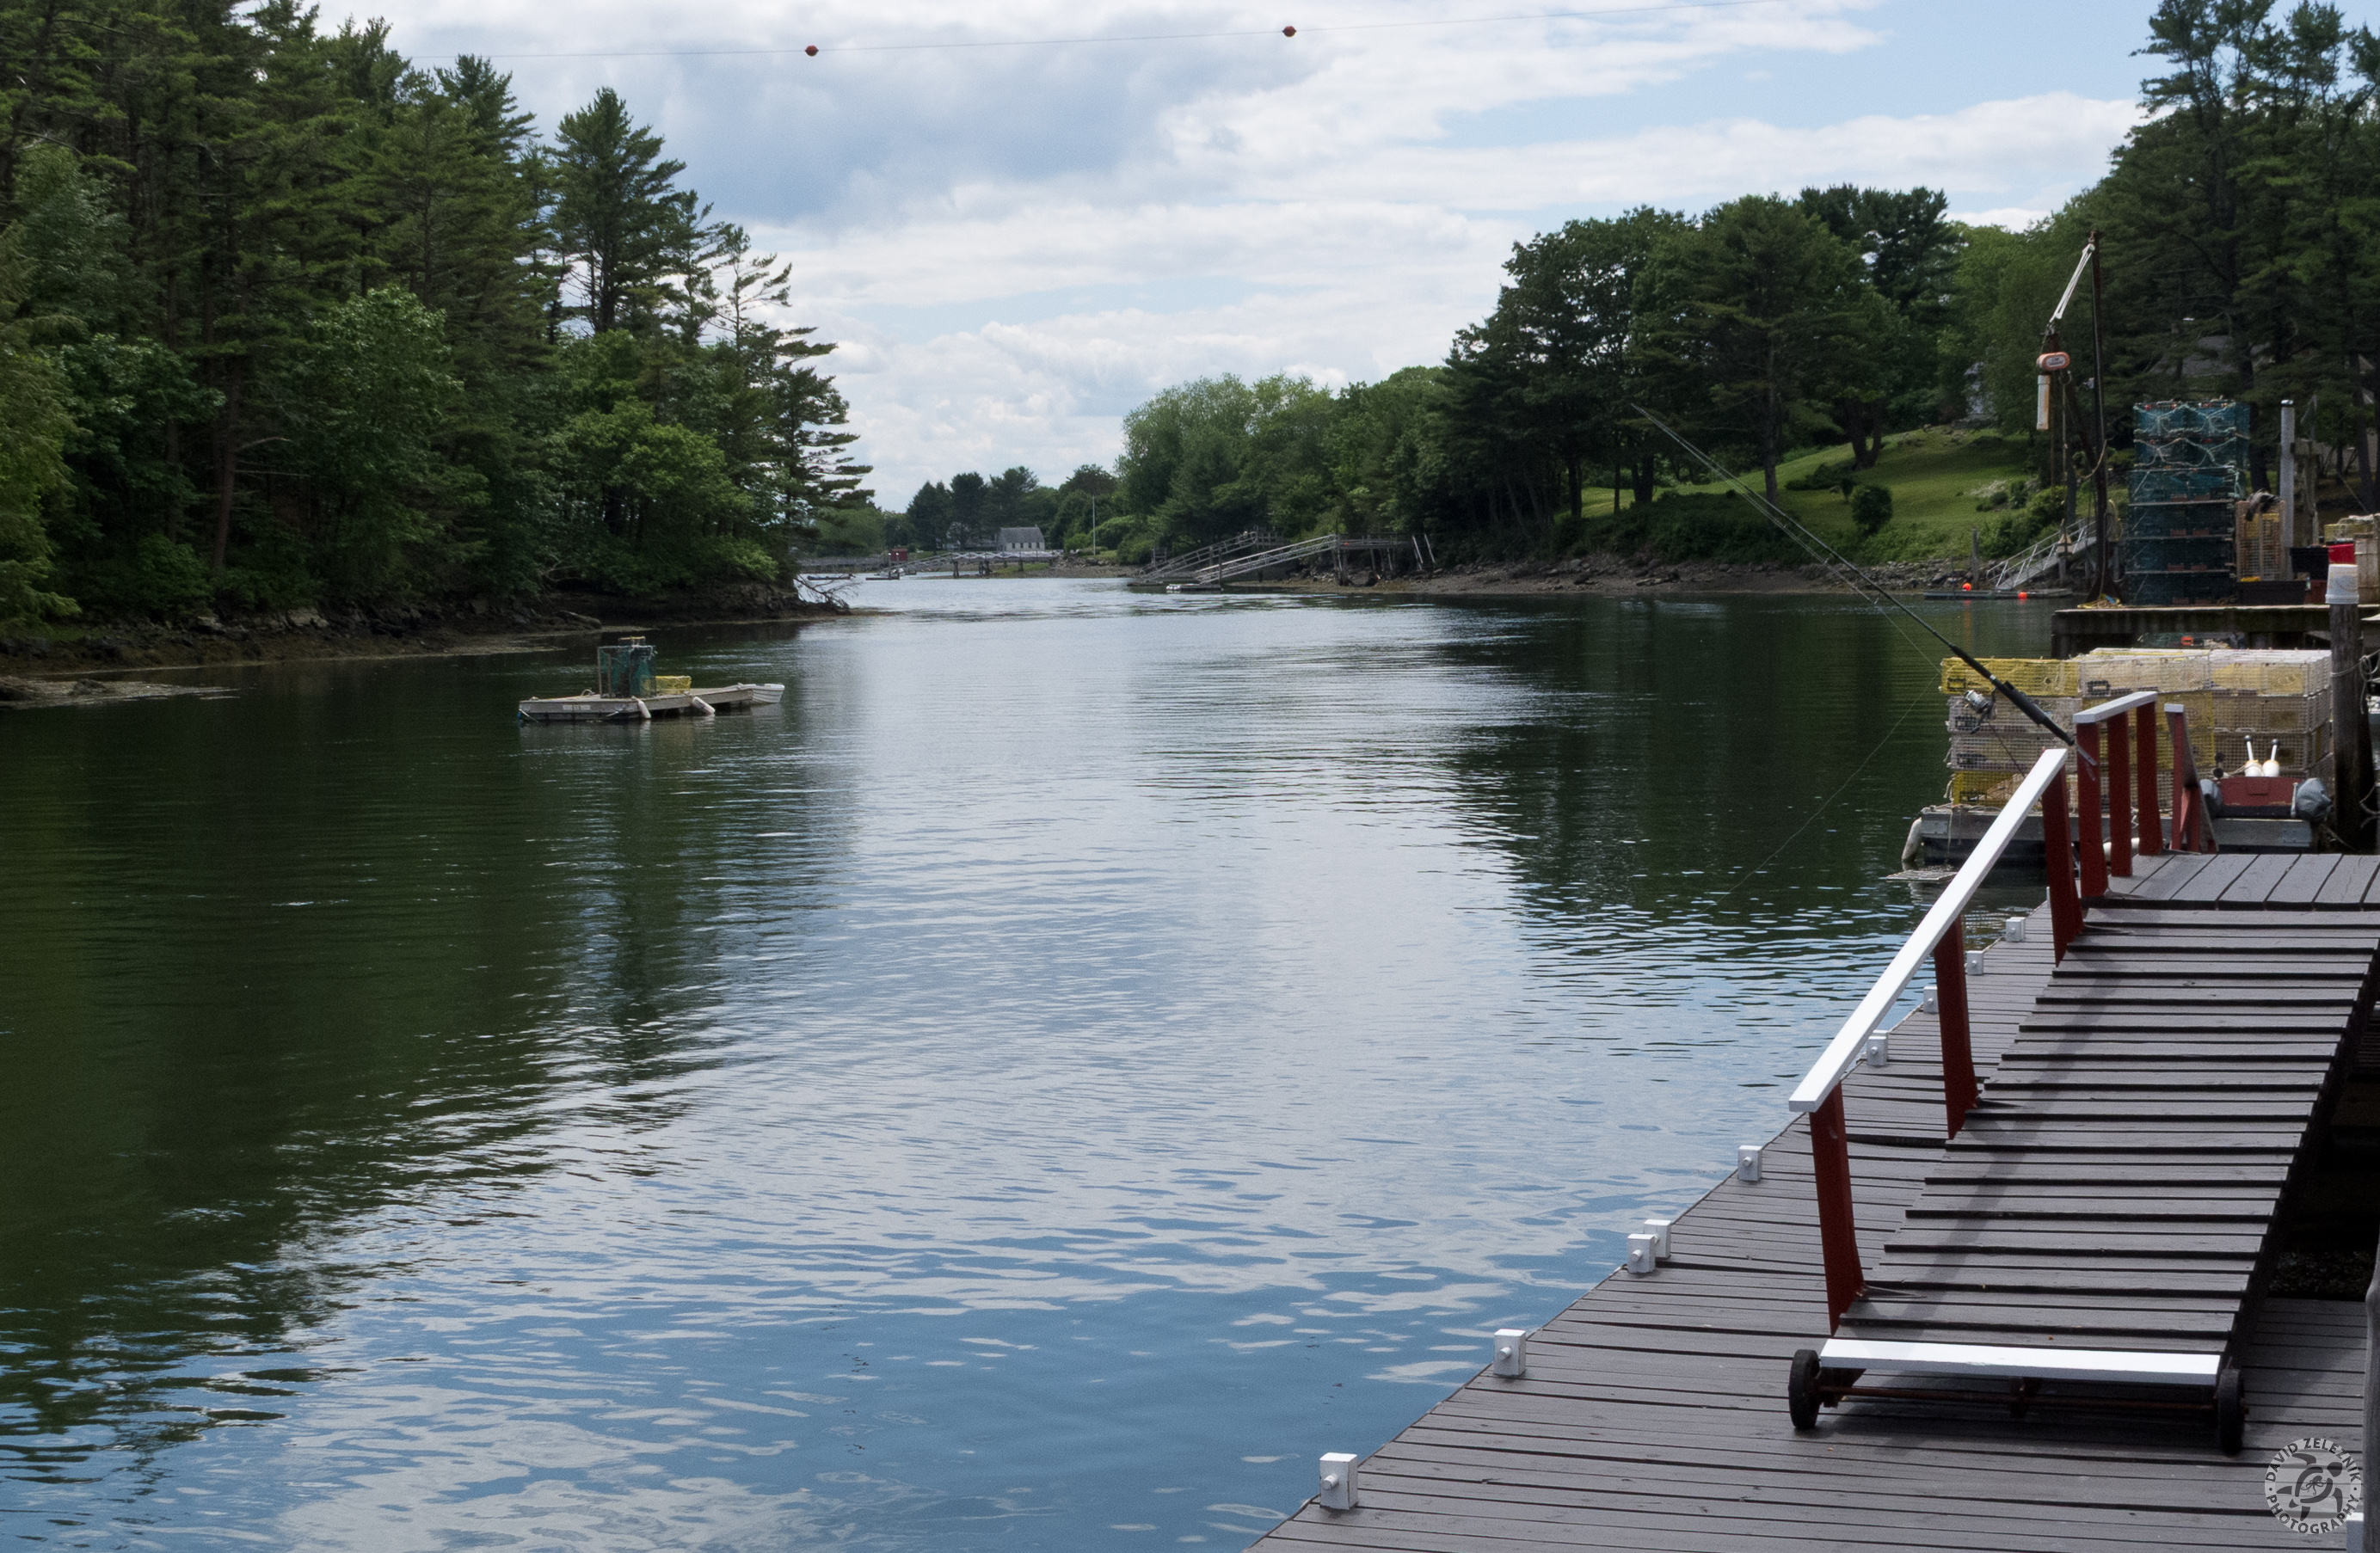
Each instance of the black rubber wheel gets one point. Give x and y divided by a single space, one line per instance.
1802 1389
2230 1411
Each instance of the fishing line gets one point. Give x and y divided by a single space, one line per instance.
1877 592
1153 37
1890 734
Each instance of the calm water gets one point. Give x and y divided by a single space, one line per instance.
1081 1057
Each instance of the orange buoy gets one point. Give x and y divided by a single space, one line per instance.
1968 586
2022 595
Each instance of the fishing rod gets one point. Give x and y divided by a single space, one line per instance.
1879 594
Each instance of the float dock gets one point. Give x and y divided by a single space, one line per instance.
2005 1262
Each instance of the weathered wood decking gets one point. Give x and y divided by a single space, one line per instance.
1653 1415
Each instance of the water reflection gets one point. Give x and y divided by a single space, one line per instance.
1080 1056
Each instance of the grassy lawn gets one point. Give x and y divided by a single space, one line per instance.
1933 475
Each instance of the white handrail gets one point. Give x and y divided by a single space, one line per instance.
1843 1053
2106 711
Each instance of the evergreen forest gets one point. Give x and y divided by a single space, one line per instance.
286 319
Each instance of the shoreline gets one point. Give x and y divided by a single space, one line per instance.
49 671
1602 573
46 672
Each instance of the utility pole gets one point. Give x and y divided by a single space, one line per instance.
2288 472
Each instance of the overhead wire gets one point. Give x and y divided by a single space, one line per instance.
1293 31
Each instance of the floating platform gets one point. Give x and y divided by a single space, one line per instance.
1652 1414
1947 835
591 708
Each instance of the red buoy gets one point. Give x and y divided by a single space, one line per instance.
811 51
1289 31
2022 595
1968 586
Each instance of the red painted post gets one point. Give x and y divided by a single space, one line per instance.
2094 855
2197 837
2152 829
1830 1153
2119 798
1959 1088
2057 857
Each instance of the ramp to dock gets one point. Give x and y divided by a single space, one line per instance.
2108 1205
1653 1414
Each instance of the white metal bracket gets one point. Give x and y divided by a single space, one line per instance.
1512 1352
1337 1482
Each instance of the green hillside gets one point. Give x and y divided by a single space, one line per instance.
1943 484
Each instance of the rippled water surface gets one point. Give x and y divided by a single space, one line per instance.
1082 1056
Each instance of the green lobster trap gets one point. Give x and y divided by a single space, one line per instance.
624 668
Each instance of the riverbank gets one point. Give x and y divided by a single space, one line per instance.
1622 574
480 627
1617 576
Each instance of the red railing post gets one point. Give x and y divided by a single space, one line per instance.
2093 856
2152 830
2198 836
2058 858
2120 806
1830 1154
1959 1088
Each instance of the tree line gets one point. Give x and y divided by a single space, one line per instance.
287 319
2238 226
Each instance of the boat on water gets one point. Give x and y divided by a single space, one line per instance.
627 690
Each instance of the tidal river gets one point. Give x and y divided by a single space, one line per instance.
1081 1057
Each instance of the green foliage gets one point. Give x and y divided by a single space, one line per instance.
361 397
852 532
33 429
1757 316
322 319
1871 507
1693 527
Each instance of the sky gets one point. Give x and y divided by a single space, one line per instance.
1019 220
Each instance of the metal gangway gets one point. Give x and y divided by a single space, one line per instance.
1174 567
2102 1212
1339 545
2060 548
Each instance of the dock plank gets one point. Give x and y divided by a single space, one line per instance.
2116 1188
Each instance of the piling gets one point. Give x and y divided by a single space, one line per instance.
2351 725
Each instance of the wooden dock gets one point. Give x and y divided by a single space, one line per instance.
1653 1415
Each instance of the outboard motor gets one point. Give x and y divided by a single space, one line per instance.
2313 801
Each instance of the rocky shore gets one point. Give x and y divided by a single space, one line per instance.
51 671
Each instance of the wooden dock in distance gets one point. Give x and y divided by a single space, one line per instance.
1653 1414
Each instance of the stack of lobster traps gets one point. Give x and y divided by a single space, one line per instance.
2188 474
2236 702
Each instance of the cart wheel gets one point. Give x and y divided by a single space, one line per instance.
1802 1389
2230 1411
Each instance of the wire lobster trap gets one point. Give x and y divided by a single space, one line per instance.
624 668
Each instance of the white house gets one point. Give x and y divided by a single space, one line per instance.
1021 538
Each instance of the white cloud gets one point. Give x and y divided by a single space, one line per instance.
1017 243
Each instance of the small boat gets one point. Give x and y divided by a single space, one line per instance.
626 690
